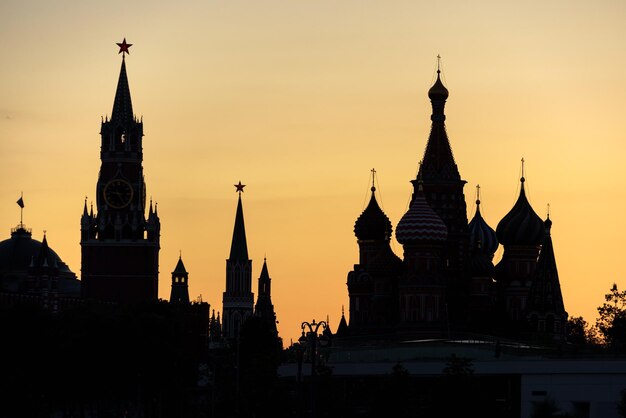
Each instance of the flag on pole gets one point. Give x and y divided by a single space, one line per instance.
21 202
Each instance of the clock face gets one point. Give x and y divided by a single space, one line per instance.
118 193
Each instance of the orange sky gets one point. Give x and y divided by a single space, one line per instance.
299 100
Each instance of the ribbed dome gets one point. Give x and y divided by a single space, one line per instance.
482 237
438 91
17 253
521 226
420 223
373 224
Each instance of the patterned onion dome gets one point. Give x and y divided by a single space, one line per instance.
373 224
521 226
482 237
438 91
420 223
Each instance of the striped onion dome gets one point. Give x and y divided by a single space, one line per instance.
420 222
372 224
481 236
521 226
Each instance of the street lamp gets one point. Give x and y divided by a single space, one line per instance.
311 338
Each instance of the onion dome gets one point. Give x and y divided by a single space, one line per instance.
438 91
373 224
420 223
481 236
521 226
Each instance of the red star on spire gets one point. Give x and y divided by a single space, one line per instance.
239 187
124 47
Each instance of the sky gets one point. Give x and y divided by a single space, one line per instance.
299 100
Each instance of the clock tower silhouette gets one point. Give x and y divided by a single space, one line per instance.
119 245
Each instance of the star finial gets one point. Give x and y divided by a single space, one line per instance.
239 187
124 47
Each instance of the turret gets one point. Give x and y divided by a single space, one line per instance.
180 283
238 299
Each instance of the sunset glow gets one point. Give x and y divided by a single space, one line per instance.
299 100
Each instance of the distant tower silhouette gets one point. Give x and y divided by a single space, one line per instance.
521 232
545 309
264 308
422 287
238 299
180 283
483 244
119 247
443 190
372 284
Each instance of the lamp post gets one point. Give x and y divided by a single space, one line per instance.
311 338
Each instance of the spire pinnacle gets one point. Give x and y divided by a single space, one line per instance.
438 64
478 194
373 175
124 48
239 246
523 179
122 106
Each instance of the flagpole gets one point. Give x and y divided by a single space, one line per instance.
21 210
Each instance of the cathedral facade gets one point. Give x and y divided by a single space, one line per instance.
446 284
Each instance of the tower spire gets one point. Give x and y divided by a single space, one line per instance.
239 246
439 164
122 106
238 299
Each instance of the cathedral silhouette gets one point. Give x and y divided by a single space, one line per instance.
446 283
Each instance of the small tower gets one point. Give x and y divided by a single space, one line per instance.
521 232
370 288
422 287
180 283
546 310
483 244
264 308
238 299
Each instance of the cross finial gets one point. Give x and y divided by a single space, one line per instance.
548 211
523 179
478 194
438 63
373 175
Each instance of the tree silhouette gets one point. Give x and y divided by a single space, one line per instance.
612 319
